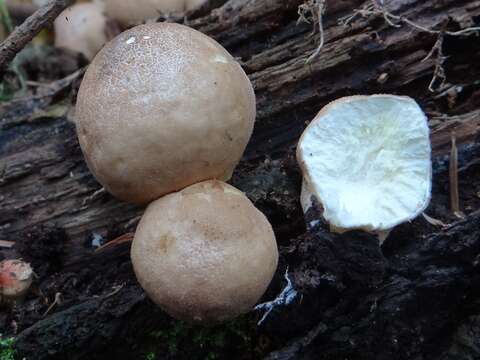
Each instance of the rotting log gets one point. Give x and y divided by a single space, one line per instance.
409 300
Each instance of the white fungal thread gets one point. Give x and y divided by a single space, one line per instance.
286 297
146 37
131 40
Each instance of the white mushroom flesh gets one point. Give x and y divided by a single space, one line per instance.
367 160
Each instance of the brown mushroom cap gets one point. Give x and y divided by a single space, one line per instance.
161 107
82 28
204 254
134 12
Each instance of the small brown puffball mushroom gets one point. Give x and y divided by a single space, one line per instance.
204 254
15 279
161 107
134 12
81 28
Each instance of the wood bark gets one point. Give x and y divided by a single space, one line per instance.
411 299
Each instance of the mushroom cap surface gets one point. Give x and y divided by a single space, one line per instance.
367 161
204 254
161 107
131 12
81 28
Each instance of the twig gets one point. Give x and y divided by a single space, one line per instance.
453 172
128 237
24 33
434 222
7 244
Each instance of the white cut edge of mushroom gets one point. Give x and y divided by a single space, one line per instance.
306 201
380 229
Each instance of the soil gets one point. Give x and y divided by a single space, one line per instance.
415 297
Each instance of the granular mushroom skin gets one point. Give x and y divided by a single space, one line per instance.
204 254
161 107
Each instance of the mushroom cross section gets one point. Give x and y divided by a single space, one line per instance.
367 161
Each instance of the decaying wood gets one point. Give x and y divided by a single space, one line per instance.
356 300
374 305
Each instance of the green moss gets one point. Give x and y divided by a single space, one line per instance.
184 340
6 349
150 356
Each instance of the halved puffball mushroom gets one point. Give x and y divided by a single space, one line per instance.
367 161
16 278
134 12
81 28
161 107
204 254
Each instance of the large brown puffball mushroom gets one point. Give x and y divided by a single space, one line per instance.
161 107
134 12
204 254
81 28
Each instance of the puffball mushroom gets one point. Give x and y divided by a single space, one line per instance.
161 107
16 278
367 161
133 12
81 28
204 254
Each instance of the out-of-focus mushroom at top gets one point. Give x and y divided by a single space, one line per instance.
81 28
367 161
161 107
204 254
134 12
